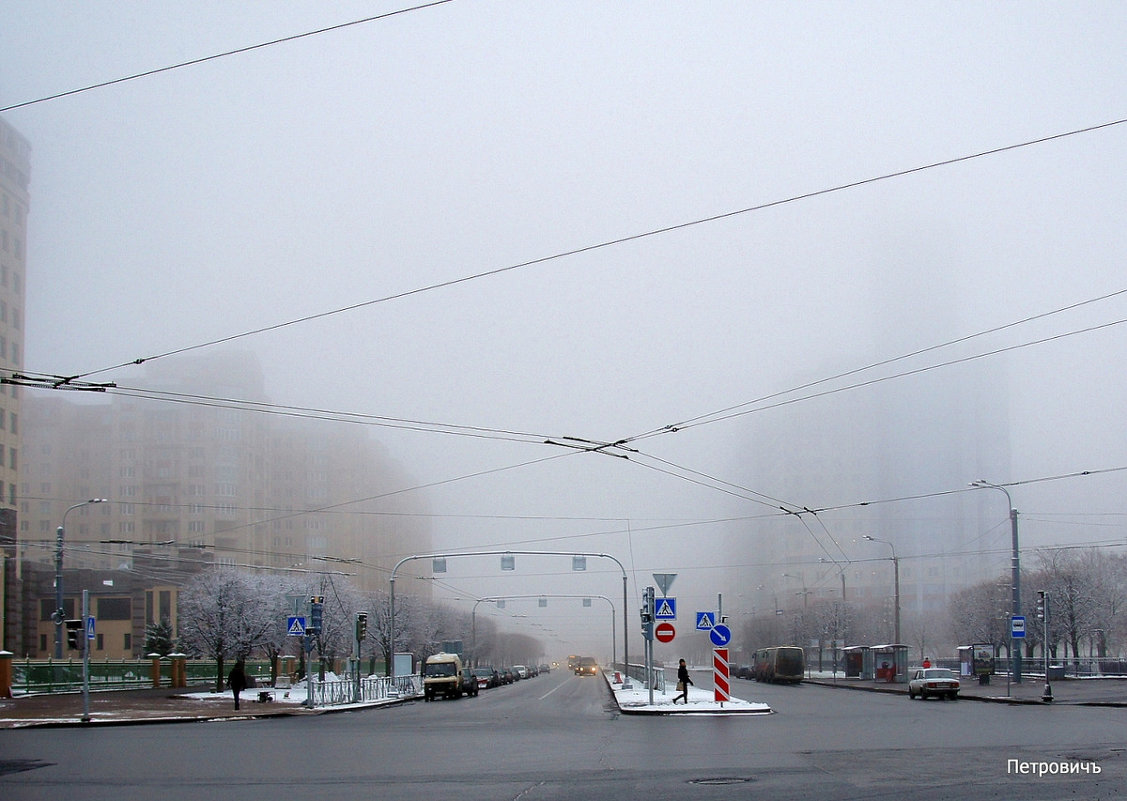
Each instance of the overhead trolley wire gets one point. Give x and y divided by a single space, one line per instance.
204 59
618 241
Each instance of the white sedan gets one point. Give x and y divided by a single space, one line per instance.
934 681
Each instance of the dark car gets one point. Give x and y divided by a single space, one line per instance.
486 677
506 675
586 666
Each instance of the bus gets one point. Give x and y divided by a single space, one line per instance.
781 663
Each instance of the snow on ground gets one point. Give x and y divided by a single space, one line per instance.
701 702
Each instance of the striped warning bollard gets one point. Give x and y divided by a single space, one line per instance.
720 675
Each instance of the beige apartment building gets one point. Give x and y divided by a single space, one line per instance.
190 484
15 176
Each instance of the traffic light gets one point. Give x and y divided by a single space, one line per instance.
1041 604
75 634
361 625
316 609
648 613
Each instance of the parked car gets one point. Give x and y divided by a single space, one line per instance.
520 672
545 669
506 675
445 675
933 681
486 677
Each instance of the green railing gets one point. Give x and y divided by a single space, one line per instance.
48 675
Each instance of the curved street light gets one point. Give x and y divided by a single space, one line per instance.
578 563
1015 571
805 592
60 613
896 582
473 616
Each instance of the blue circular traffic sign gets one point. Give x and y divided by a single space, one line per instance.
721 635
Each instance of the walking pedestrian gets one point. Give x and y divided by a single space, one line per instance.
683 682
237 680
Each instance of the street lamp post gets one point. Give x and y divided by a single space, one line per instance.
60 613
896 582
841 570
805 592
1015 572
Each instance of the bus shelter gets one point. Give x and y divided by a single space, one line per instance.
890 663
858 662
977 660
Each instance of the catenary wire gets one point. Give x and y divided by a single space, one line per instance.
204 59
617 241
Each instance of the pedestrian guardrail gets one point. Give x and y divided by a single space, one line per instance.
637 672
65 675
335 692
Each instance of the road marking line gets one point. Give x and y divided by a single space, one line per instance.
545 695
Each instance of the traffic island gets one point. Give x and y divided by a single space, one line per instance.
636 701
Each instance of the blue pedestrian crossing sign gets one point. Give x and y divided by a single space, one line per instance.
665 609
705 621
90 627
296 626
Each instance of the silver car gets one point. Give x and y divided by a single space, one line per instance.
934 681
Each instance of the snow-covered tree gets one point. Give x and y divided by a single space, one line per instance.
225 613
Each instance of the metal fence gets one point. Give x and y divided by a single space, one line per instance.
48 675
335 692
637 672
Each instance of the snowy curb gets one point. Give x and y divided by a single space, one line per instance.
636 701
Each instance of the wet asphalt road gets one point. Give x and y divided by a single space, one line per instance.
560 737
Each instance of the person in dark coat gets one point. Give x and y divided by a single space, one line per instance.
683 682
237 680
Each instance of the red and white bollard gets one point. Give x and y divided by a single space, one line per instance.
720 675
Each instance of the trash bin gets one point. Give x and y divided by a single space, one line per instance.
1056 672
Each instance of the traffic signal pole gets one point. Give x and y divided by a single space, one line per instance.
648 637
1043 613
82 638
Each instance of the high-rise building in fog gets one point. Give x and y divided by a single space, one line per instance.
183 473
891 462
15 176
15 172
254 489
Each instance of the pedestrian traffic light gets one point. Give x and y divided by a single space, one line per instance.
361 625
316 610
75 634
1040 604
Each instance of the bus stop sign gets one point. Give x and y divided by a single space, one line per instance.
1017 627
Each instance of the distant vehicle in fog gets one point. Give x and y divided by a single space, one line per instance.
782 663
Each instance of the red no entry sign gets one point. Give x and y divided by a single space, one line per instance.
665 632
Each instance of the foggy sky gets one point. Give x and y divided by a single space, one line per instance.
378 159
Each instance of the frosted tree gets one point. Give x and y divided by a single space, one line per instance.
227 614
